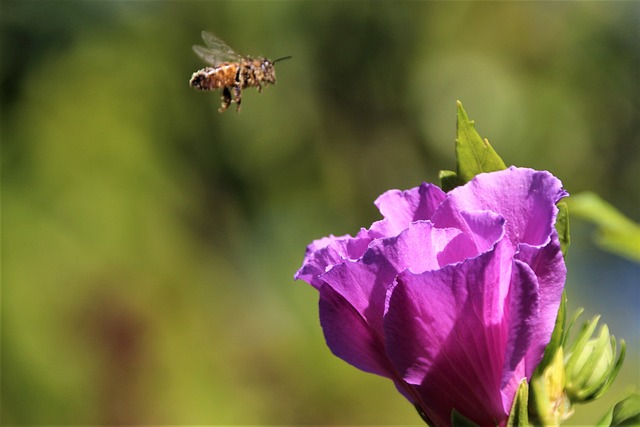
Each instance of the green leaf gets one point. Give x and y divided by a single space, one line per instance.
474 155
459 420
615 233
624 413
562 226
519 416
627 411
606 420
449 180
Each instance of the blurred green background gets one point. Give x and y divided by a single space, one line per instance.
149 242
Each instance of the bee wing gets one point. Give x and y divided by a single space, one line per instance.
210 56
216 43
217 51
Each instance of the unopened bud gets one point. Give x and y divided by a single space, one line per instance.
591 364
549 400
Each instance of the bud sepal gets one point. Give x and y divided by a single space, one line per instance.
591 365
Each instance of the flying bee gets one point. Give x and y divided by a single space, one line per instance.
230 71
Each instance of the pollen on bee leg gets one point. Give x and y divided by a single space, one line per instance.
226 99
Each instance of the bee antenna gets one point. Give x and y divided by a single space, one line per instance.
282 59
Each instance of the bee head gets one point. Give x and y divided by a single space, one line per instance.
268 71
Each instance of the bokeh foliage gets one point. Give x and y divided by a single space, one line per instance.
148 242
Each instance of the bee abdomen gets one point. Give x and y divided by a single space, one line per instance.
211 78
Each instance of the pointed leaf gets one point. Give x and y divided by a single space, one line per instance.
474 155
519 416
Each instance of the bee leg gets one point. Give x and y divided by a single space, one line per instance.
237 92
259 88
226 99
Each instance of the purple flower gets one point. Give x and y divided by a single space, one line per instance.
453 296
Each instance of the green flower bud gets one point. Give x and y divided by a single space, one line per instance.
591 365
549 403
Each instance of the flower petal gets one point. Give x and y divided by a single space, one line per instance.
526 198
485 229
548 265
446 333
322 254
523 317
360 288
401 208
419 248
350 337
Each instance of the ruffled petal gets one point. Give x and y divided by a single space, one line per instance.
363 284
322 254
418 248
483 230
359 288
401 208
526 198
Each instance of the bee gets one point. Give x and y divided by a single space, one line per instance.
230 71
